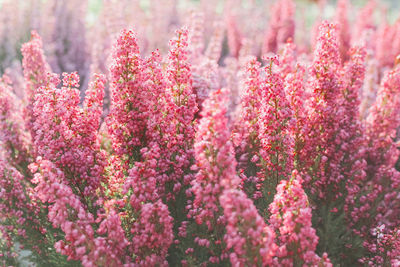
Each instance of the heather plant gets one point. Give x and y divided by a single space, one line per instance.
379 190
330 161
264 144
216 172
291 220
245 132
244 142
246 233
276 151
36 71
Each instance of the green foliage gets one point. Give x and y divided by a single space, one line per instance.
344 248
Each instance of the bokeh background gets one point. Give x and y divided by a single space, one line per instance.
78 34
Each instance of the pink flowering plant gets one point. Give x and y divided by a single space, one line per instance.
243 141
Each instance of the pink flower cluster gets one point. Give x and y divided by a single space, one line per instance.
274 123
323 120
67 134
247 234
245 132
66 211
380 178
152 234
126 122
215 160
291 220
36 71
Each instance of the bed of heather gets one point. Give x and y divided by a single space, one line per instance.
254 137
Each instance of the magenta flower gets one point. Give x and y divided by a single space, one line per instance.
245 134
291 221
319 152
67 212
68 135
152 234
251 240
274 124
36 71
214 160
127 118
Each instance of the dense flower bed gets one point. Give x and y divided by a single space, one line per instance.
227 150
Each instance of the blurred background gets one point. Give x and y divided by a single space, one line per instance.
78 34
